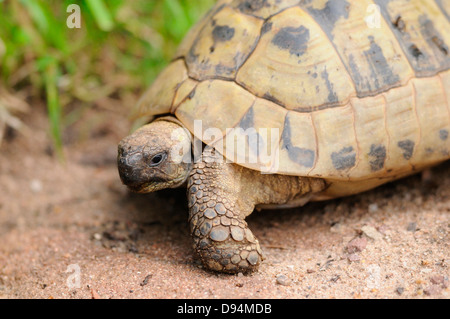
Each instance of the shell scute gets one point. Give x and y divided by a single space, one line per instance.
296 52
222 45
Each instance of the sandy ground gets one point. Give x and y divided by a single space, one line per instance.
73 231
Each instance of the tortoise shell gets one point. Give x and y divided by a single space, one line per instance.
355 92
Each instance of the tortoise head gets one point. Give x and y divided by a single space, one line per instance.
156 156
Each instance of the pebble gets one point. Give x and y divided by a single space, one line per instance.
373 208
412 227
146 279
371 232
426 270
335 278
283 280
97 236
357 244
336 228
432 290
36 186
354 257
439 280
382 229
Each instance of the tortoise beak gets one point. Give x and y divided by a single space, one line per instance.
130 172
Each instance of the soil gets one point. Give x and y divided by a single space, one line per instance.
72 230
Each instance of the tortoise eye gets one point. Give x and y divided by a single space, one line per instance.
157 159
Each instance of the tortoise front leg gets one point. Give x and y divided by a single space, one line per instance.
221 236
221 195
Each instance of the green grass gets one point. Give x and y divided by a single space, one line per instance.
119 49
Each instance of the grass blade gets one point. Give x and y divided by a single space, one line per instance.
53 105
101 14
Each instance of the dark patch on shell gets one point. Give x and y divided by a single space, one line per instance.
378 152
299 155
332 97
399 24
191 57
254 140
415 52
344 159
432 36
330 14
440 44
408 148
248 120
239 58
294 40
361 83
273 99
222 33
443 134
224 70
267 26
192 94
379 65
250 6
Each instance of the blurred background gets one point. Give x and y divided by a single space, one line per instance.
115 54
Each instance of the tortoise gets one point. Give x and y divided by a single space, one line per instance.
275 103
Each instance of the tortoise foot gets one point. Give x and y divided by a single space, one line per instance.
230 249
